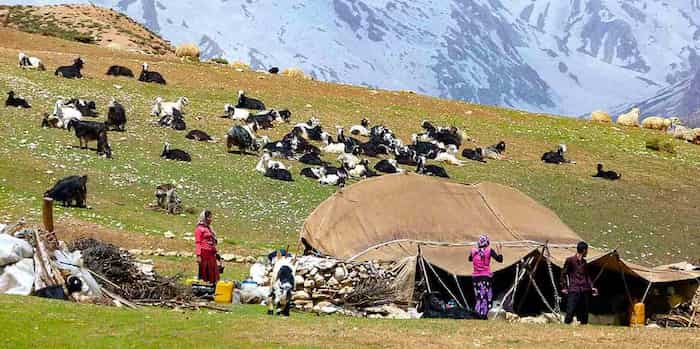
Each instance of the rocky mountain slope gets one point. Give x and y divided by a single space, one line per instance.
565 57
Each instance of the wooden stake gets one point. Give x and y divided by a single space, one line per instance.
47 214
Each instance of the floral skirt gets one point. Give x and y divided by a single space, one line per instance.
483 293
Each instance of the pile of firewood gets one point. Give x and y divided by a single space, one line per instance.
117 271
684 315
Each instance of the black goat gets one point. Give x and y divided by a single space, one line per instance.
274 70
175 154
279 174
103 148
387 166
175 121
116 116
474 154
428 149
430 170
406 156
243 137
69 190
71 71
198 135
86 131
312 158
610 175
150 76
266 118
556 157
18 102
245 102
118 70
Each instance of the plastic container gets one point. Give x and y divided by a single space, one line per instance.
223 292
637 318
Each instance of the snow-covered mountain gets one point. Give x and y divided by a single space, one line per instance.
560 56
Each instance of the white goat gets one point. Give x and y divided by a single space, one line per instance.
27 62
266 162
167 108
330 146
65 114
350 160
449 157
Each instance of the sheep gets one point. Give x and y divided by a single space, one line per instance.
13 101
601 116
189 51
609 175
244 137
275 171
71 71
474 154
659 123
283 282
175 154
556 157
495 151
118 70
685 133
430 170
151 76
388 166
449 157
361 129
86 108
69 190
266 162
167 198
64 114
245 102
629 119
116 116
199 136
27 62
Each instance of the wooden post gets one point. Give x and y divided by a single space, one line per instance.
47 214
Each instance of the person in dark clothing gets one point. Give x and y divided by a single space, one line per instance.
577 286
481 256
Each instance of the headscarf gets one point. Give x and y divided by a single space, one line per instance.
203 221
483 244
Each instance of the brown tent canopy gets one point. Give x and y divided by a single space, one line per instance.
388 217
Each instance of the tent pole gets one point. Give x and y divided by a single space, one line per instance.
646 292
466 304
529 285
624 280
445 286
557 299
425 273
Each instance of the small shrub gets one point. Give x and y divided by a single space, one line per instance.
188 51
220 60
85 39
664 145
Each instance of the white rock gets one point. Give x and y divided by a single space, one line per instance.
340 273
309 283
299 280
169 235
228 257
332 282
301 295
135 252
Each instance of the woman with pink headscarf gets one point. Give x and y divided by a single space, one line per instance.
481 256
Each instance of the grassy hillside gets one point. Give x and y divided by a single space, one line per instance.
44 324
651 215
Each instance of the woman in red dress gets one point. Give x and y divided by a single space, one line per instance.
205 239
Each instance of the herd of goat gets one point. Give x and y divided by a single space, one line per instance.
439 144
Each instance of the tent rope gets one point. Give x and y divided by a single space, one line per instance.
500 220
425 273
539 292
624 280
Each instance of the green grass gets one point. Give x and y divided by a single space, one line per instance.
40 323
